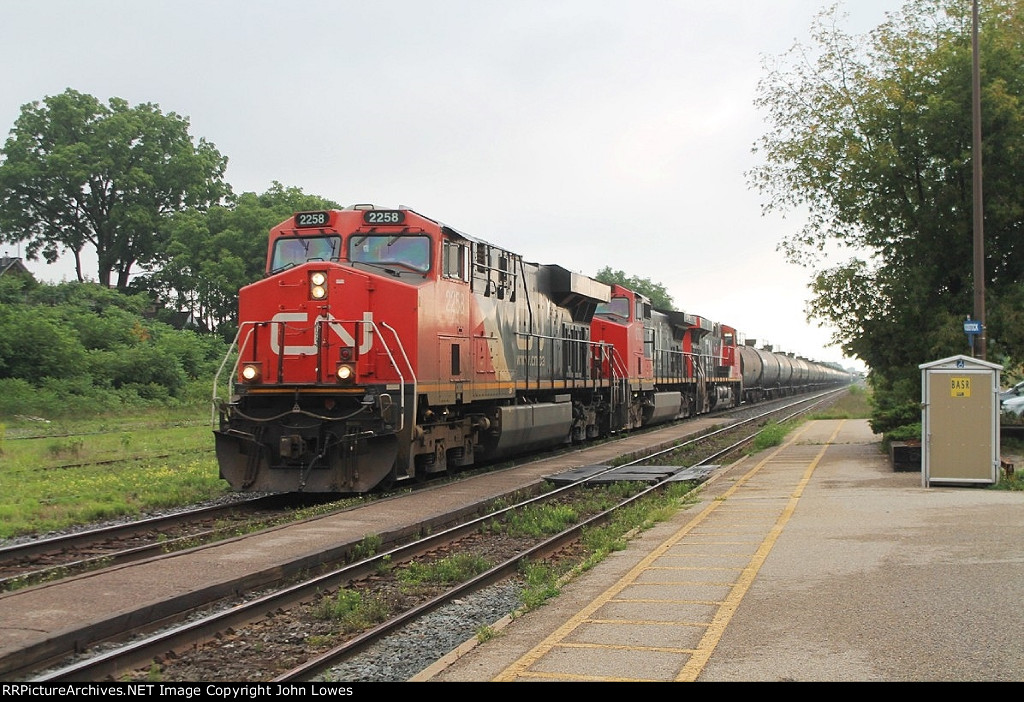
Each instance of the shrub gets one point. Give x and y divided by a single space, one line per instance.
35 343
17 396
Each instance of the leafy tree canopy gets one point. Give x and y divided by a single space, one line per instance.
211 255
871 137
78 173
660 298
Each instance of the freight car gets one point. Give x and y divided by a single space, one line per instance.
384 346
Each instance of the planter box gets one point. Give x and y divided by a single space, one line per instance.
905 455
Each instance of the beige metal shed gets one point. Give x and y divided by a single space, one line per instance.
960 421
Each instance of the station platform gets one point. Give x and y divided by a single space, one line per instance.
811 561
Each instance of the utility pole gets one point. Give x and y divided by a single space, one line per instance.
979 214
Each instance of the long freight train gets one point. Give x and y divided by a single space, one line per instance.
383 346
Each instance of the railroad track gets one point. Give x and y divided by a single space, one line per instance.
221 637
44 560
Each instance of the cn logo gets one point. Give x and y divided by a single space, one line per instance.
339 331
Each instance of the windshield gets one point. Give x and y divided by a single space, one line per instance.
618 307
292 251
412 252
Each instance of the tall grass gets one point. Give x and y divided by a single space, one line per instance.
107 470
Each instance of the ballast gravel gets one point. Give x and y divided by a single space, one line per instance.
399 657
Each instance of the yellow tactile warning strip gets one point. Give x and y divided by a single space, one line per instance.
662 620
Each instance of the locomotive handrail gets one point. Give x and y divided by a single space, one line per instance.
373 326
584 373
665 368
320 343
617 368
619 372
481 266
405 357
701 362
412 372
238 359
234 367
617 365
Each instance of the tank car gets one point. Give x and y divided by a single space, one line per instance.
384 346
768 374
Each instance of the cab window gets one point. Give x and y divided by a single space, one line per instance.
456 260
292 251
618 307
411 252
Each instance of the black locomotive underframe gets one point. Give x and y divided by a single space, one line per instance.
294 440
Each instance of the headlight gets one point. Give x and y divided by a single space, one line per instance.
345 373
251 372
318 285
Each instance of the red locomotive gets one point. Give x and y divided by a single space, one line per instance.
383 345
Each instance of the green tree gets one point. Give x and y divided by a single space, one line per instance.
660 298
871 137
212 254
78 173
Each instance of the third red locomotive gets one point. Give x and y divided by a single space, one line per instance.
383 345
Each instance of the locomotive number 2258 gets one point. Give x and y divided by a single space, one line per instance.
383 217
312 219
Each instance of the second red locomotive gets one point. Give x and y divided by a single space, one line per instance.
383 345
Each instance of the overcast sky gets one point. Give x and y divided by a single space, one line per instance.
586 133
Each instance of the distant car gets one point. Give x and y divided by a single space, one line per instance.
1016 391
1014 404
